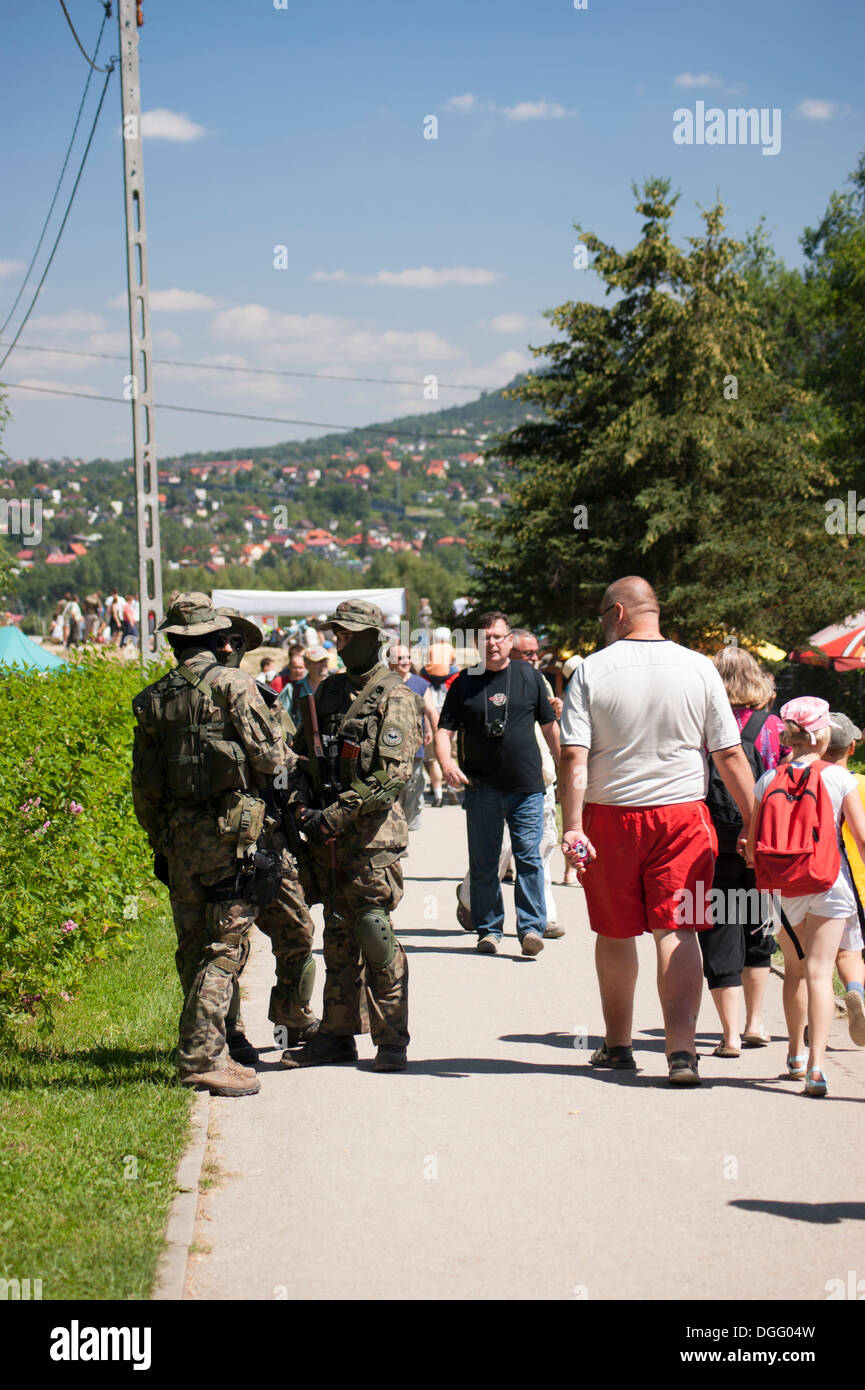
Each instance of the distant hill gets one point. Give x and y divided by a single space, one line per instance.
490 414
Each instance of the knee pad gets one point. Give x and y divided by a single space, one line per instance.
375 933
304 981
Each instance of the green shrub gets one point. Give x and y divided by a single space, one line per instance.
73 860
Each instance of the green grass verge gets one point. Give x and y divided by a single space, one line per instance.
92 1125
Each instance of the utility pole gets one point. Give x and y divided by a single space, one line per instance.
139 385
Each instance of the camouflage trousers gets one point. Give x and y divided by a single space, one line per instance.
213 937
358 997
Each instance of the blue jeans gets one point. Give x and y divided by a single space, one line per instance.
487 809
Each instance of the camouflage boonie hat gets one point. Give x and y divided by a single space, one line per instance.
357 614
191 615
251 632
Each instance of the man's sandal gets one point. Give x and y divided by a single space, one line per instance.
618 1058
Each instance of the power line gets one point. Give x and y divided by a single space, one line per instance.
44 276
60 180
256 371
78 41
238 415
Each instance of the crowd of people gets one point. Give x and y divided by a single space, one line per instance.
689 811
643 719
109 620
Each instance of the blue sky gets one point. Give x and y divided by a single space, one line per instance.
304 127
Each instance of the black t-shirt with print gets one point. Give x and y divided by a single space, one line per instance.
511 763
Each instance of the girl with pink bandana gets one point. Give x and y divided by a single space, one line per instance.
817 920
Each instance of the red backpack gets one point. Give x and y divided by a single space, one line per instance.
796 849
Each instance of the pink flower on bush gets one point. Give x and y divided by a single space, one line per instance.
69 925
30 802
75 808
67 998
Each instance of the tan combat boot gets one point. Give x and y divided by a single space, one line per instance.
230 1080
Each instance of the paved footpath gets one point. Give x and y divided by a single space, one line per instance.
501 1166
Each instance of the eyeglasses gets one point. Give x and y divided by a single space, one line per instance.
521 652
491 637
606 610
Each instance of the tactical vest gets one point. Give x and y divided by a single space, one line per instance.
350 726
194 753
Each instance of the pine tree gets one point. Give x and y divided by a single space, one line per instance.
697 465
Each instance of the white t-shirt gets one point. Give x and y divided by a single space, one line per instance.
646 710
837 781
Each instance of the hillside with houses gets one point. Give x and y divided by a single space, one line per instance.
372 502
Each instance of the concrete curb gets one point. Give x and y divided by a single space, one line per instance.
170 1280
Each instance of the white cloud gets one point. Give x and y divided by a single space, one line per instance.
299 338
424 277
698 79
817 109
162 124
108 342
498 372
166 338
536 110
22 361
11 268
514 323
75 322
520 111
172 301
46 384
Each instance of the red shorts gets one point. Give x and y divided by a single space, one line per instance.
654 868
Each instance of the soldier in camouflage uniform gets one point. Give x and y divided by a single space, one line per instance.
286 920
205 748
377 724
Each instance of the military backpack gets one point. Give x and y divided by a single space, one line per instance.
192 753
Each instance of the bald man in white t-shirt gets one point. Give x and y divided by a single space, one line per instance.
638 717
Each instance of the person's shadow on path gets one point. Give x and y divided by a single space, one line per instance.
820 1213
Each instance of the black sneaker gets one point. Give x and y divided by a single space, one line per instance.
324 1049
683 1069
240 1049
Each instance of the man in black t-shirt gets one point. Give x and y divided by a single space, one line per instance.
495 708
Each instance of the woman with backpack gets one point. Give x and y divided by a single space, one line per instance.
795 847
738 948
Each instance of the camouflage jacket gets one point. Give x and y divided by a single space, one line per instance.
240 727
377 744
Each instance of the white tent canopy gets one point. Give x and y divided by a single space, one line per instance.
305 603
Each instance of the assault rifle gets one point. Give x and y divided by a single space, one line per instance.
322 768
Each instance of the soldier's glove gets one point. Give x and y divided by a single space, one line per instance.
315 827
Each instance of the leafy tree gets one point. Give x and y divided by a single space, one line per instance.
666 419
836 275
421 578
